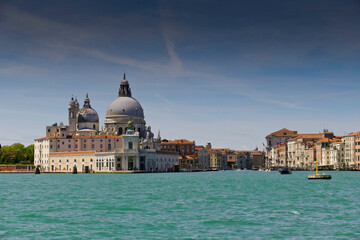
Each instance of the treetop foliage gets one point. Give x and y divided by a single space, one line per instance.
17 154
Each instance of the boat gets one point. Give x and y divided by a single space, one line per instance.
285 171
318 176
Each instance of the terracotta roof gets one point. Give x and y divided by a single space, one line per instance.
257 153
71 153
179 141
308 136
353 134
282 133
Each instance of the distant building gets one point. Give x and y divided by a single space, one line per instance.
275 138
350 150
182 146
337 155
125 144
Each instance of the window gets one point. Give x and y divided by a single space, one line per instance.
84 145
76 145
100 145
130 145
109 146
49 130
93 145
94 126
50 146
69 146
58 146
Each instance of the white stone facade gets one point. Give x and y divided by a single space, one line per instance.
132 148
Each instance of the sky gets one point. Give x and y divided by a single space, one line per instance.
225 72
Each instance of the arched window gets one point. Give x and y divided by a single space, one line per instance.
94 126
120 131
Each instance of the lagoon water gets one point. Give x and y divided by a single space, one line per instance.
204 205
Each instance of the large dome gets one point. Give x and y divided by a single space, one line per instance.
87 114
125 106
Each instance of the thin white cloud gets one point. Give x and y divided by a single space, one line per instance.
175 62
165 100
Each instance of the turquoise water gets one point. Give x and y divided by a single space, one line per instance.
204 205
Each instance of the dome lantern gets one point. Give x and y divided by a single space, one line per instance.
125 90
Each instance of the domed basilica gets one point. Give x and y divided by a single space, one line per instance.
124 107
124 143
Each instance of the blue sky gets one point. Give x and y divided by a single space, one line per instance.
225 72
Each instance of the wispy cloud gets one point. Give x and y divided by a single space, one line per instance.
175 62
165 100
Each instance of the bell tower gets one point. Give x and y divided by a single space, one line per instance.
73 109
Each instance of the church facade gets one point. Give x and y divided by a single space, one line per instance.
124 144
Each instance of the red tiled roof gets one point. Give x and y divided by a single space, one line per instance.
72 153
179 141
282 133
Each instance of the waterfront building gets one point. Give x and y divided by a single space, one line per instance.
182 146
278 156
203 156
216 159
357 152
325 153
125 144
274 156
298 150
257 159
350 150
275 138
243 160
337 155
231 160
188 163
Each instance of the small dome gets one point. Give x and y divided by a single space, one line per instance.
124 82
87 115
125 106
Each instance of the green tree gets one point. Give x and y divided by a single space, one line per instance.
17 153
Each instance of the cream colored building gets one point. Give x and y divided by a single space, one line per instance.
337 155
349 160
301 150
125 145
